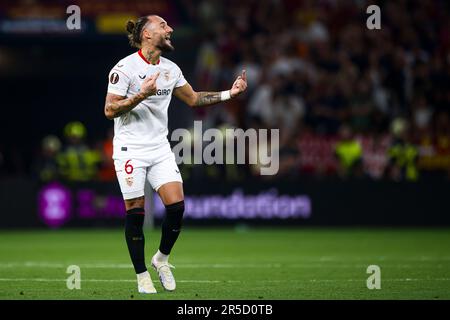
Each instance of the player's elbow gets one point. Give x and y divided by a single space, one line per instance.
109 114
192 101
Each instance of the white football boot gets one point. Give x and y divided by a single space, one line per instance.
145 283
165 274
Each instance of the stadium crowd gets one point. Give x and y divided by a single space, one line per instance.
349 102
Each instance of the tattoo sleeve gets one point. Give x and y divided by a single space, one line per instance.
116 108
207 98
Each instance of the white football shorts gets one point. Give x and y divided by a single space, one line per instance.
132 174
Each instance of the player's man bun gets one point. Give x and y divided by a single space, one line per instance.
135 31
130 26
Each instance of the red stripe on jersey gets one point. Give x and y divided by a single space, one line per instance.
143 58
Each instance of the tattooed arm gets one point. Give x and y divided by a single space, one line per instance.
204 98
195 99
116 105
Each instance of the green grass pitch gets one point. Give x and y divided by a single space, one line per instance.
242 263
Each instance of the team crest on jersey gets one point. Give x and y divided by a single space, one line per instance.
167 75
114 78
129 181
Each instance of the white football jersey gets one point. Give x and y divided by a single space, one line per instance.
143 131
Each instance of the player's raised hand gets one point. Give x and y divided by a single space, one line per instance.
239 85
148 87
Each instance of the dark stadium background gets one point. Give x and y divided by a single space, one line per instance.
326 71
315 72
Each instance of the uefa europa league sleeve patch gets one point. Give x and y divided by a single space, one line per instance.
114 78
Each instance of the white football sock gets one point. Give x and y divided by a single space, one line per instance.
161 257
143 275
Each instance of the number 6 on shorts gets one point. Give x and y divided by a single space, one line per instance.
128 167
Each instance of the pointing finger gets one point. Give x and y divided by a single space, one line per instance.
156 75
244 75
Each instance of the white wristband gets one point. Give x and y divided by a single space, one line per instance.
225 95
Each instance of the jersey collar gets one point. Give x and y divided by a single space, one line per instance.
144 58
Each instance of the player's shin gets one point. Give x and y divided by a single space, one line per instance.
134 236
171 227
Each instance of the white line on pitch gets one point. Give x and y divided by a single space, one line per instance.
97 280
36 264
221 281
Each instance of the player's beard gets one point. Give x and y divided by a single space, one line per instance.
165 45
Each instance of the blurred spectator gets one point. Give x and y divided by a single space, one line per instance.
361 106
289 160
403 154
46 166
422 115
348 151
375 150
77 162
107 170
277 106
435 149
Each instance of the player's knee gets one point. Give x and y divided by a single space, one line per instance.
174 214
135 203
171 193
